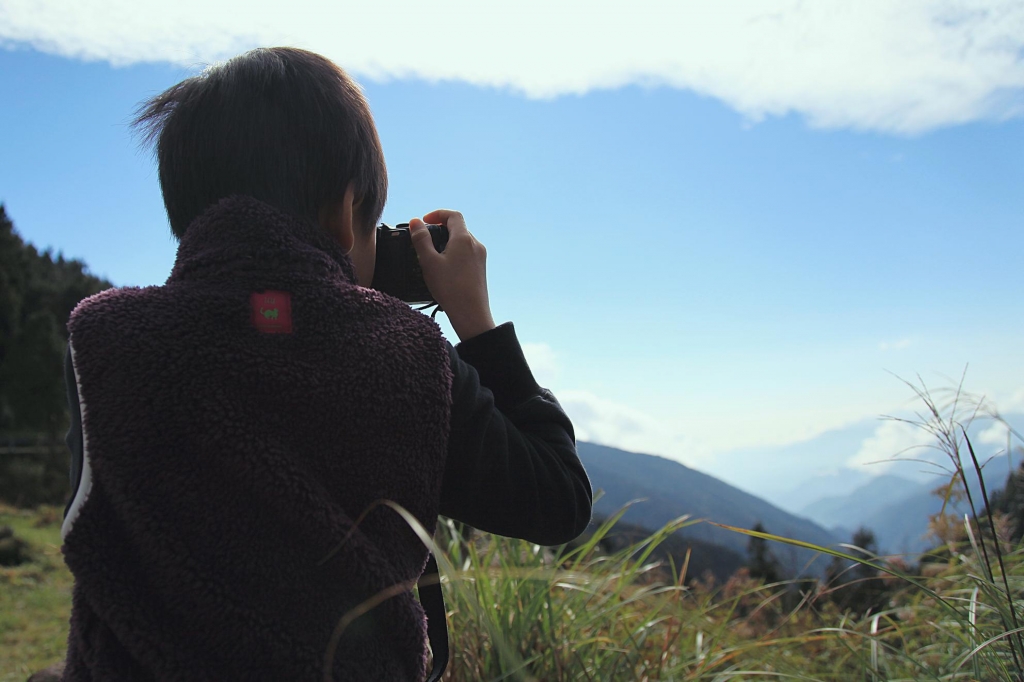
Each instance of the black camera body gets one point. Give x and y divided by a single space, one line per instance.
397 268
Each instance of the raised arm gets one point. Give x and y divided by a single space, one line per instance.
512 466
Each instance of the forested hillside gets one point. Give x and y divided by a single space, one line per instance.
669 490
37 294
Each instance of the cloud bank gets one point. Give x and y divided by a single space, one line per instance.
899 66
894 345
543 362
607 422
895 441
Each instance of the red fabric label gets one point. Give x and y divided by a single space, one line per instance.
272 311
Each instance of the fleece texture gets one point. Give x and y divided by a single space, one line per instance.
228 463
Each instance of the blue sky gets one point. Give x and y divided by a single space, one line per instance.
699 269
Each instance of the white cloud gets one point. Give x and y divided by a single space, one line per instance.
543 362
1013 403
894 345
606 422
609 423
995 434
1009 406
893 441
901 66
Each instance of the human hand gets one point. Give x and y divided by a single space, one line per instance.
456 278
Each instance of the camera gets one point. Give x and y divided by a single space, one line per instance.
397 267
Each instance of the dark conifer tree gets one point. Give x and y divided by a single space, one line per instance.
761 561
37 294
1010 502
858 587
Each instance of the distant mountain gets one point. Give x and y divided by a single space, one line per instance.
901 527
673 490
838 483
849 511
897 509
793 475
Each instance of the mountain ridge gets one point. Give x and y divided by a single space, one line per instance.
671 489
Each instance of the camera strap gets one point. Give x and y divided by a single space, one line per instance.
432 600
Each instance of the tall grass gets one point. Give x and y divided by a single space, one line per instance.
518 611
522 612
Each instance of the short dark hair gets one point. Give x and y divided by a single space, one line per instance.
282 125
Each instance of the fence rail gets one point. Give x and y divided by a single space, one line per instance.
31 449
33 469
12 445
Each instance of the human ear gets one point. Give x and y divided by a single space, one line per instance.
338 218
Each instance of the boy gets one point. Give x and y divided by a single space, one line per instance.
233 428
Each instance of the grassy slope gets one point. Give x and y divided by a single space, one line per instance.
35 598
517 615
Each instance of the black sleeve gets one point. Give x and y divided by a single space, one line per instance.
512 467
74 437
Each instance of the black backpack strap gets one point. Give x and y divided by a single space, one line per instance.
437 625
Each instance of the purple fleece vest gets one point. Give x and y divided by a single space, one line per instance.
227 461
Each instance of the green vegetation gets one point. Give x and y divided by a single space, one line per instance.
37 294
522 612
35 597
586 612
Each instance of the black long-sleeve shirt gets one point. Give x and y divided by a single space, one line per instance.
512 467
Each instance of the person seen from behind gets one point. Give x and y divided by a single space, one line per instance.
234 429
